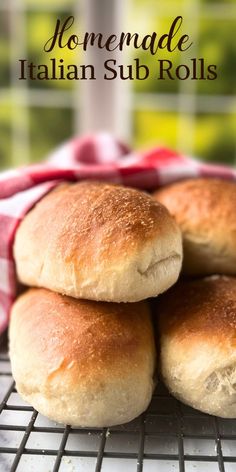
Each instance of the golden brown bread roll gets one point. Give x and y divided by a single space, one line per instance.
205 210
99 242
197 328
81 362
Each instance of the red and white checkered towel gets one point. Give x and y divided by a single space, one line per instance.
99 157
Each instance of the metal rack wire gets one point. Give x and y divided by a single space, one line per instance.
168 437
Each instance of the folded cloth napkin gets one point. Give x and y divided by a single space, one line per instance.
99 157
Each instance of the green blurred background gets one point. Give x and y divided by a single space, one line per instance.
195 117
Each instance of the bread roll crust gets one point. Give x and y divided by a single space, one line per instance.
197 326
99 241
204 208
81 362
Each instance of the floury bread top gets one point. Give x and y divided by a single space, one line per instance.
99 242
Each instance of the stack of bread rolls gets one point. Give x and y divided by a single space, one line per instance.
82 343
196 319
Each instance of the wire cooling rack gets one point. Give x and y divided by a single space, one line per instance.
169 437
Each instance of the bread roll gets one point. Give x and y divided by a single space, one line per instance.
205 211
198 344
81 362
99 242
